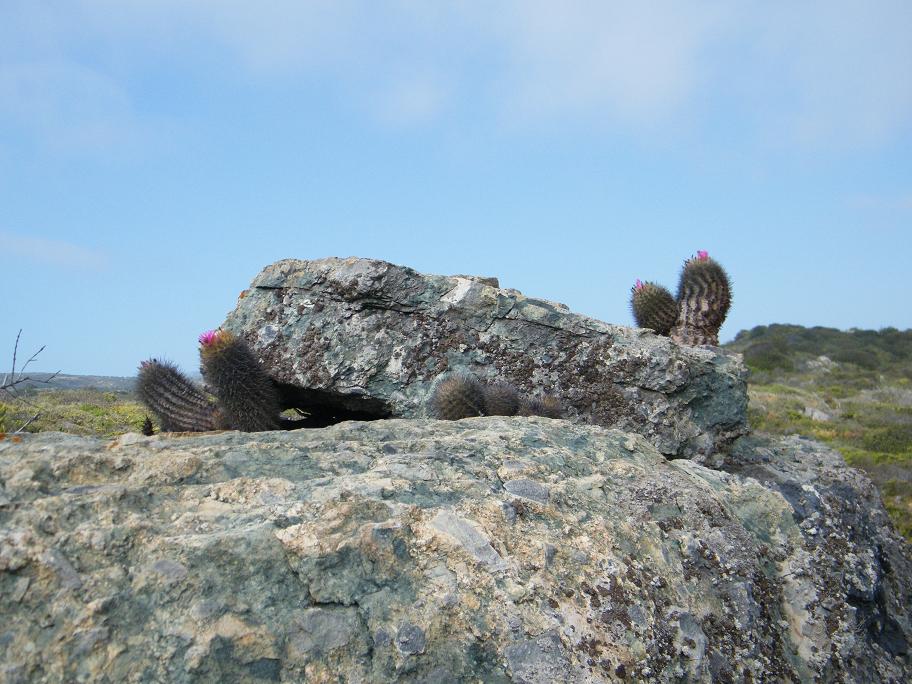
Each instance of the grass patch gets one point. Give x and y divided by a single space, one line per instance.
847 389
897 498
894 439
872 435
80 411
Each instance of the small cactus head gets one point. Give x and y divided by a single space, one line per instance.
177 402
546 405
653 307
704 298
212 340
247 397
501 399
458 395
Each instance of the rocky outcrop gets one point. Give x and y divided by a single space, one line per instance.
488 549
363 339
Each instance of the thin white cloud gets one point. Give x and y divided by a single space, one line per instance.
833 74
839 71
891 203
411 100
14 247
620 60
65 105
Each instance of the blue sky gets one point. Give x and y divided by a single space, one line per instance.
155 155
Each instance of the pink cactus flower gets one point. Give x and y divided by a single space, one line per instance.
639 285
208 338
702 254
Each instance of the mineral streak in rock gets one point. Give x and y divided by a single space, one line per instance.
361 339
487 549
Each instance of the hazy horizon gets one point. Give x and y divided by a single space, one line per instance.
156 155
193 372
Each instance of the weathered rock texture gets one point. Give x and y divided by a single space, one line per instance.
360 338
489 549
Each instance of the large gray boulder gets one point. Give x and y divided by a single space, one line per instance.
361 338
489 549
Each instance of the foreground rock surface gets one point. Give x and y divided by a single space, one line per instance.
488 549
361 338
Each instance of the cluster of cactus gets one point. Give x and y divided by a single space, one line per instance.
462 395
243 396
240 395
696 314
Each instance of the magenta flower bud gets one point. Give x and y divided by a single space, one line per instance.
639 285
702 254
208 337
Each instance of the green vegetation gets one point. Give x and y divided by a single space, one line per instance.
77 411
861 356
851 390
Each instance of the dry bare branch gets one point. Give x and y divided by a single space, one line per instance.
26 423
16 378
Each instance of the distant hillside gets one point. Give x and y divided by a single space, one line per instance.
850 389
108 383
778 349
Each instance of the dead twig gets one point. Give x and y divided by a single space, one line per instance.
13 380
26 423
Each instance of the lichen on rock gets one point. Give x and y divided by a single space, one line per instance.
362 338
491 549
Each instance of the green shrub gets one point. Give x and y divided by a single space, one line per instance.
767 357
894 439
897 498
839 391
862 358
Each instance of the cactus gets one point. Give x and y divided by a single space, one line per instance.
546 405
246 398
462 395
653 307
696 314
501 399
458 396
179 404
147 427
246 394
704 297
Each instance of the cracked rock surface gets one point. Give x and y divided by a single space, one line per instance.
488 549
361 338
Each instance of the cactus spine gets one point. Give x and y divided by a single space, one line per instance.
246 394
462 395
246 398
653 307
546 405
179 404
501 399
457 396
704 297
697 313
